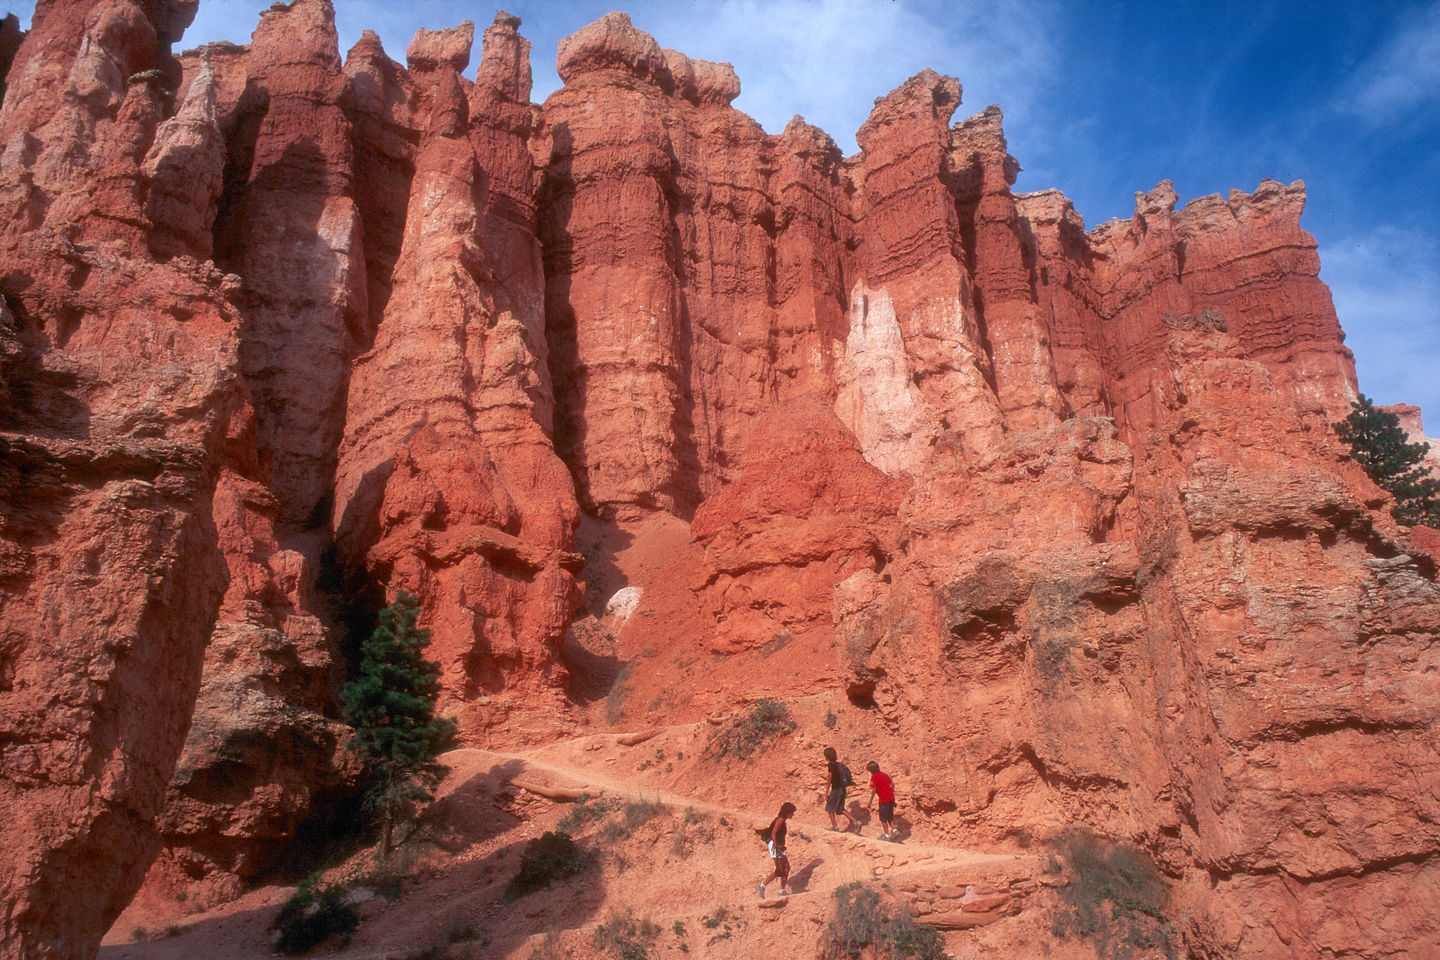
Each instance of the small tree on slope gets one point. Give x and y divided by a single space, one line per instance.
1379 445
391 705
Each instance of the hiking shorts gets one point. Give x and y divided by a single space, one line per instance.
836 803
887 812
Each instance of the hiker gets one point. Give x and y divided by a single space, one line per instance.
774 836
883 789
838 778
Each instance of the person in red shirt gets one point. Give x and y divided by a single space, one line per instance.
883 789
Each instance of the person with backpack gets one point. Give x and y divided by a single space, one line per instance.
839 778
882 788
774 837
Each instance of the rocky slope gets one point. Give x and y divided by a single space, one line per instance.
1054 517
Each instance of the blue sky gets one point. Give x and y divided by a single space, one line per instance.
1101 99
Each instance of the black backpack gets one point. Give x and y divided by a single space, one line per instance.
846 780
767 833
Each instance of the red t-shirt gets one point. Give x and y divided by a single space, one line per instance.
884 787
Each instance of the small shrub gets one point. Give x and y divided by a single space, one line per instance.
548 949
615 699
864 924
830 719
1115 897
312 915
775 643
550 857
461 932
586 811
642 811
716 917
692 829
766 720
625 937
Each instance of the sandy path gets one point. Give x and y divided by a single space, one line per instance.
717 875
848 856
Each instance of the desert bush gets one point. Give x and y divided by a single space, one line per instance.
636 813
462 931
1115 897
550 857
312 915
619 690
766 720
585 811
691 830
865 924
625 937
548 949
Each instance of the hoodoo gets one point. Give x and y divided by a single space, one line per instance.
660 416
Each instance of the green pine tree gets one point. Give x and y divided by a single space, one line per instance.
391 705
1379 445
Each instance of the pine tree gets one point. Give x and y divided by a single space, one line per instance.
391 705
1379 445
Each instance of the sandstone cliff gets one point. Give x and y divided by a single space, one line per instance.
120 375
1055 514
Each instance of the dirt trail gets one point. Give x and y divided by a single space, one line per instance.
854 848
700 895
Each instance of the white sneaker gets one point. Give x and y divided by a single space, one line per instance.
760 889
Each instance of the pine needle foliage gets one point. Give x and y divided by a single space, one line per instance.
391 705
1380 446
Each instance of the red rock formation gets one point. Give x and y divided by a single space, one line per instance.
379 99
184 171
120 374
914 364
613 312
805 513
291 230
448 485
1013 324
1004 477
1413 423
264 750
1073 555
10 37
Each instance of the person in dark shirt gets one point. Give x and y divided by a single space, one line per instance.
837 779
778 857
883 789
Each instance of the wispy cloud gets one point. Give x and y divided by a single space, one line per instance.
1386 285
829 59
1403 74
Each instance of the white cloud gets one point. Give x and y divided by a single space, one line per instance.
1403 74
824 59
829 59
1386 286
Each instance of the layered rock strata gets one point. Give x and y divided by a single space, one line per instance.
272 321
120 375
448 484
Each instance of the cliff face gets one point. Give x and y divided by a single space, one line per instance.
120 376
284 333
